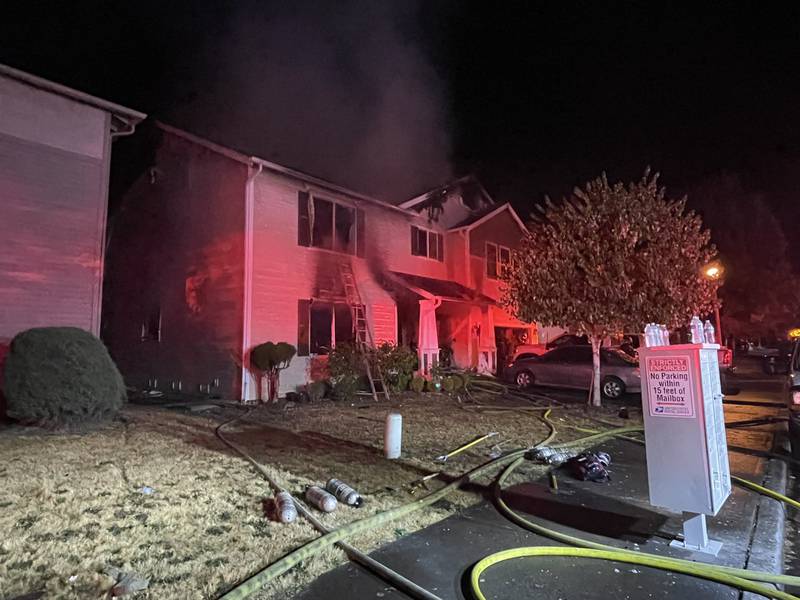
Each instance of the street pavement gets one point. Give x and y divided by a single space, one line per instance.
617 513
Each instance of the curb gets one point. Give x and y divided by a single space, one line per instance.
766 549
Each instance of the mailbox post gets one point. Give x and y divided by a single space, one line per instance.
687 453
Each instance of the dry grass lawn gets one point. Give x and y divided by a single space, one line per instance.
71 505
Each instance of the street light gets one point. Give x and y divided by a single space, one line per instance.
713 271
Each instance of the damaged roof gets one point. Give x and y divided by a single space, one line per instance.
487 213
447 290
475 194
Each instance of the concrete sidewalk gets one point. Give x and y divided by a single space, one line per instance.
440 557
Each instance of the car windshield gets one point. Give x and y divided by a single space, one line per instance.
616 353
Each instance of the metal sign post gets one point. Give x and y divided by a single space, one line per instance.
687 453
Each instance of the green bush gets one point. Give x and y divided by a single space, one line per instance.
418 384
433 385
269 356
448 384
397 364
346 367
316 390
458 382
271 359
61 375
466 378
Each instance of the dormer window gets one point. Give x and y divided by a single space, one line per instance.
425 242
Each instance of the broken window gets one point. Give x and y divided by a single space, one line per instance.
498 259
151 326
427 243
342 324
326 224
322 325
344 234
322 229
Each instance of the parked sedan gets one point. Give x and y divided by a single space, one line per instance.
571 367
792 391
565 339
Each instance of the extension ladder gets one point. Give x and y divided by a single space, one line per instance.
363 335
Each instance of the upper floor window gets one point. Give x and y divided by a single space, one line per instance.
498 258
323 223
427 243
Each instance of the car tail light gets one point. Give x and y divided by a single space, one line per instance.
795 397
727 357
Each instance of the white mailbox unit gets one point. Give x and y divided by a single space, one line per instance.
687 453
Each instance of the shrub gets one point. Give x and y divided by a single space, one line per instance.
269 356
397 364
271 359
316 390
466 378
61 375
417 384
433 385
346 367
458 382
448 384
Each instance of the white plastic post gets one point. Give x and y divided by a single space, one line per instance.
695 535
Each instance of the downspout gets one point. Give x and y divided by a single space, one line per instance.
468 283
130 128
248 384
467 261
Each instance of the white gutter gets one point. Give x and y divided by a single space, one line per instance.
280 169
82 97
327 185
249 385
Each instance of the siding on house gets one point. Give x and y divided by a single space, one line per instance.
54 156
177 250
501 229
285 272
456 257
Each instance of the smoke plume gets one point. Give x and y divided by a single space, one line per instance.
340 90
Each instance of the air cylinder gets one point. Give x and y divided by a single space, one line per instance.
394 435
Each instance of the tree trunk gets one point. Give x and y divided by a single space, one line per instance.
273 385
596 397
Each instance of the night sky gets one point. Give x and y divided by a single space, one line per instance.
394 98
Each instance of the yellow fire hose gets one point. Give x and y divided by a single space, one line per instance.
468 445
579 548
739 578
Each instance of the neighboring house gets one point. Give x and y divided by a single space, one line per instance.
55 145
215 251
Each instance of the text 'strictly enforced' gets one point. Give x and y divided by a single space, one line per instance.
669 386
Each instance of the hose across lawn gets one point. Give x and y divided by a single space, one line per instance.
743 579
